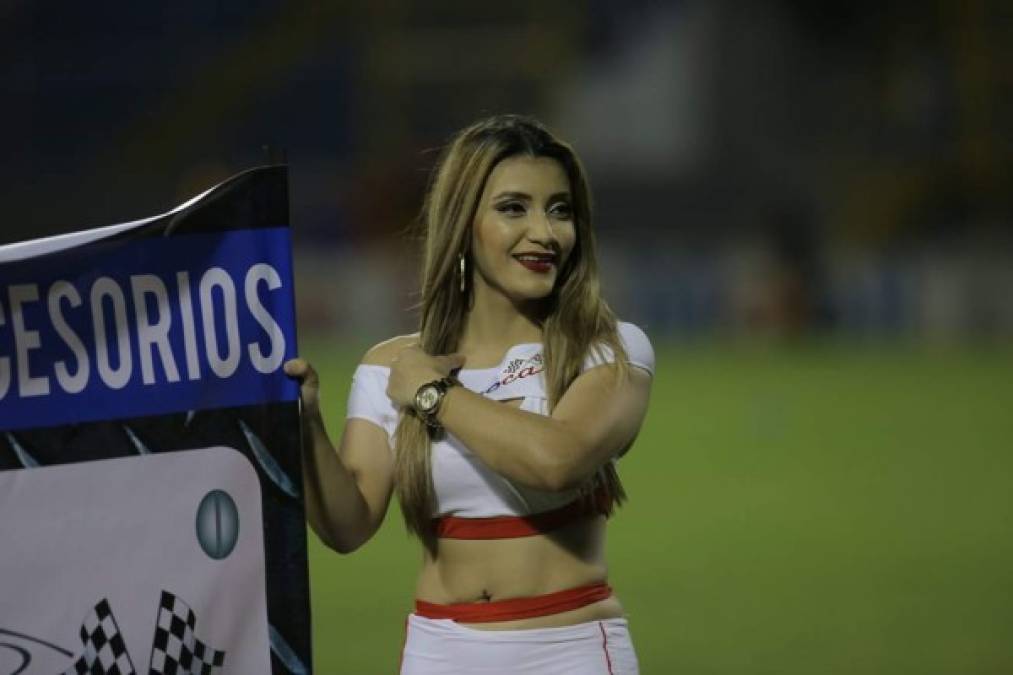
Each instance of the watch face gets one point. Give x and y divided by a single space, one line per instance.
427 398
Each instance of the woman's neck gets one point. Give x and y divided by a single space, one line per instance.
496 323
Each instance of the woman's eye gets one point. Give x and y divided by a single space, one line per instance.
562 211
511 208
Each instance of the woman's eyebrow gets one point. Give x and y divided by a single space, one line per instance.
513 195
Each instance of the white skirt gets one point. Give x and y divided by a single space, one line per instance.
444 647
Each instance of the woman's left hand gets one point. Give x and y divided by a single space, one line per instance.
412 368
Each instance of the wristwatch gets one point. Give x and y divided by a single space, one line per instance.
429 397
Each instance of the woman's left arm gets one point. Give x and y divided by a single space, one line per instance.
596 419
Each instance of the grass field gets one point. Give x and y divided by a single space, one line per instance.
822 510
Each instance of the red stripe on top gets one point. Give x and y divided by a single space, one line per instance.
515 608
509 527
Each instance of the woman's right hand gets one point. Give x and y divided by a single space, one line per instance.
309 383
412 367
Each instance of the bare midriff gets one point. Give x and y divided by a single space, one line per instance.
487 570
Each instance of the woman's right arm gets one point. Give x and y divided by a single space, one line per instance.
348 489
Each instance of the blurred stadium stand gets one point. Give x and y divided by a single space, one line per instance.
765 169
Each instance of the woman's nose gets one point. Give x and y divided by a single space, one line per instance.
540 228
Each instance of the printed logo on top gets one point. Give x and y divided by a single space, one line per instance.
145 327
515 373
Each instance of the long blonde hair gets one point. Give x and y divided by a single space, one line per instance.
577 320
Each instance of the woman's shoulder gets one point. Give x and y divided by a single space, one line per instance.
630 331
634 338
639 350
383 353
368 397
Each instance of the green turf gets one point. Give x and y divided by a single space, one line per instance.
819 510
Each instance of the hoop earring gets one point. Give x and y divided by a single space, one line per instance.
461 268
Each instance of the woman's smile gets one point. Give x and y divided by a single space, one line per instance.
541 263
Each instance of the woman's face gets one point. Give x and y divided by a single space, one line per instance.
523 231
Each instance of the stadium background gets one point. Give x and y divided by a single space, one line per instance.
806 205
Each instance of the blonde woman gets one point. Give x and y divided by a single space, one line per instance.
499 423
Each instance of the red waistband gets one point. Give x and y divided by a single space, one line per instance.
509 527
515 608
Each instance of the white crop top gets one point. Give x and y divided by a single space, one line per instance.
465 486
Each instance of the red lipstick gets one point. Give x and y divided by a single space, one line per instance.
542 264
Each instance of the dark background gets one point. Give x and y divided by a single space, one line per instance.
765 168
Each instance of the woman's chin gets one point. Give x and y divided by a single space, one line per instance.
531 298
536 289
522 294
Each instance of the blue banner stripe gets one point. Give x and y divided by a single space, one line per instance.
147 326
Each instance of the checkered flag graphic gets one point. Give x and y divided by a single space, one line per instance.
104 650
176 649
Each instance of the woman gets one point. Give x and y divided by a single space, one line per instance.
499 423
